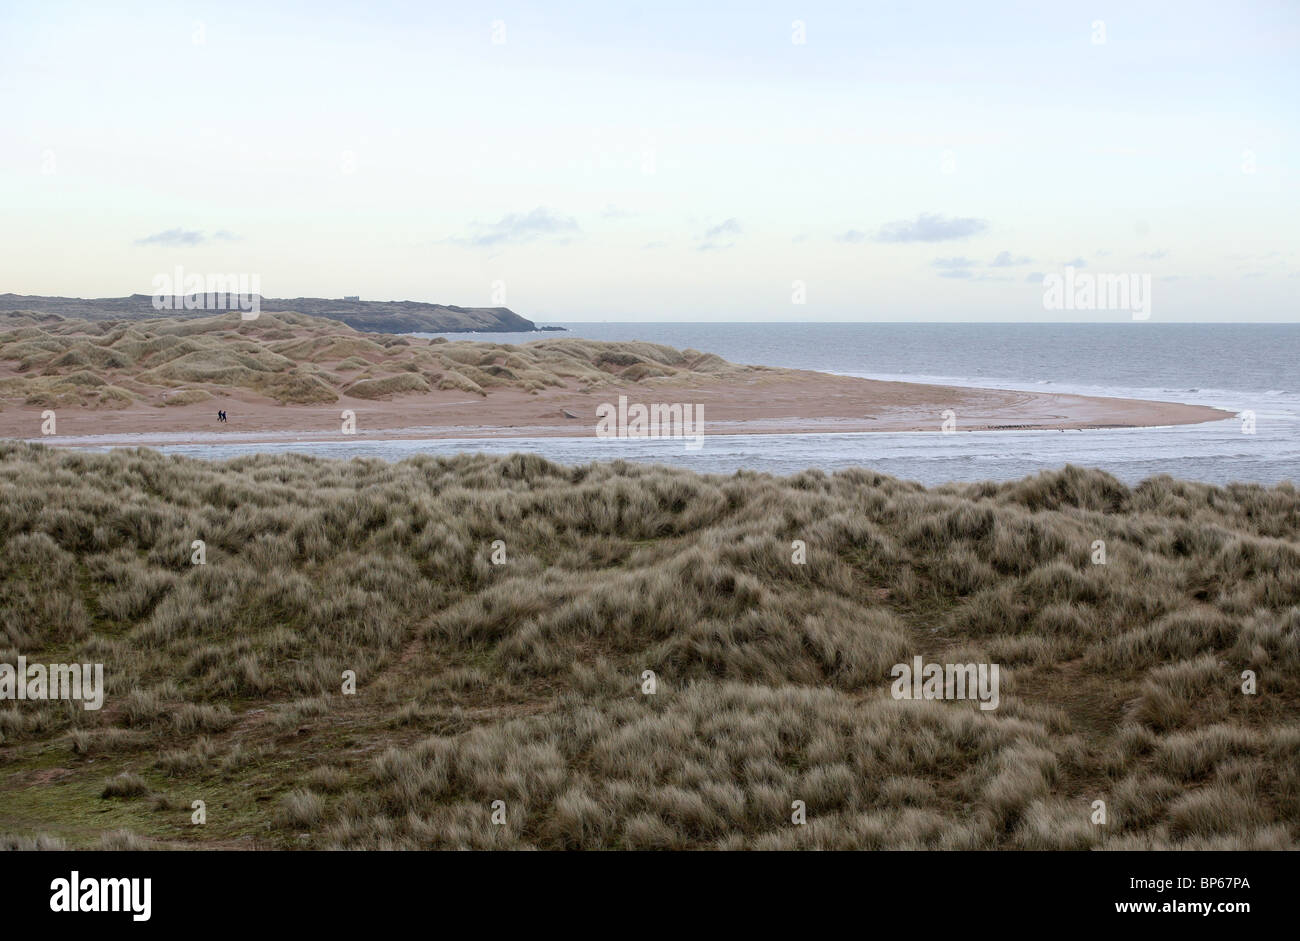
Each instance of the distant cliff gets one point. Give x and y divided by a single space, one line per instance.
371 316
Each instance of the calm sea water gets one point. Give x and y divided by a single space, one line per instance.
1239 367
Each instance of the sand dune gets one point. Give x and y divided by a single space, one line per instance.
165 380
519 677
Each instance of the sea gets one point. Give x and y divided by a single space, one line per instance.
1251 370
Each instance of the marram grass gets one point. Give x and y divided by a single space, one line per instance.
521 683
298 359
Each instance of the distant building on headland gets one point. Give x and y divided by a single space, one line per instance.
351 297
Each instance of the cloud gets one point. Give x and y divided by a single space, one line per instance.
519 227
956 268
960 266
1034 277
614 212
1077 263
729 227
929 227
1153 256
726 227
175 237
852 236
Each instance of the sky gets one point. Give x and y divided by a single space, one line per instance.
756 161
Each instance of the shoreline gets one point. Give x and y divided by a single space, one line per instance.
787 402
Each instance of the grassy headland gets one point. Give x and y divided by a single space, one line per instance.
372 316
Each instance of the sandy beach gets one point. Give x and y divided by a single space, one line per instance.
783 402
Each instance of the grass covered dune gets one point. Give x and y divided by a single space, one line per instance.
294 359
521 682
163 380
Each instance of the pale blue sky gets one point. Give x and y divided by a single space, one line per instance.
682 161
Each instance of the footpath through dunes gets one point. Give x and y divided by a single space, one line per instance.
500 614
164 380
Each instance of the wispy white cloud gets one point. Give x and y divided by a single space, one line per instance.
710 240
729 227
930 227
521 227
1007 260
175 238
